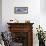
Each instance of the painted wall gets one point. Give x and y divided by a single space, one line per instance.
43 14
43 6
8 10
34 14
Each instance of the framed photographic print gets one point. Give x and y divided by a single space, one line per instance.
21 10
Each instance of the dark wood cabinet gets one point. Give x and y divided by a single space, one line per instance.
22 33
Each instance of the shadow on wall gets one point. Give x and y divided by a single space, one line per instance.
43 6
0 15
0 23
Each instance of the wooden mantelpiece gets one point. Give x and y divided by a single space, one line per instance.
22 27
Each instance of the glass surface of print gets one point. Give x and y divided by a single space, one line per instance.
21 10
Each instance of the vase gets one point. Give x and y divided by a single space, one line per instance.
41 43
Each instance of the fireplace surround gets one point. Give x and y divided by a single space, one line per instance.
22 33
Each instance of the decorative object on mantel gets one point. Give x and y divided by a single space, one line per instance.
14 21
41 36
27 21
11 20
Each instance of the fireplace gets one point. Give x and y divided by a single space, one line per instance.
20 38
22 34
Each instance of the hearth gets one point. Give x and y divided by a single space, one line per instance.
21 38
16 44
